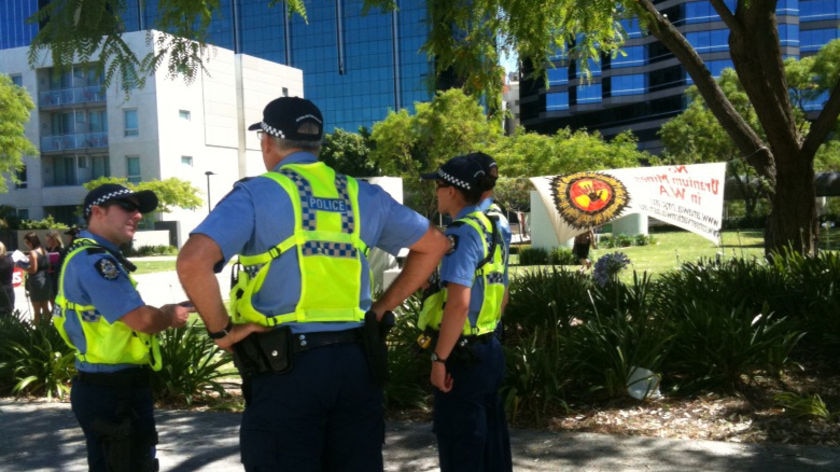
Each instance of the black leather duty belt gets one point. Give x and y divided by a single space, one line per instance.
305 341
127 378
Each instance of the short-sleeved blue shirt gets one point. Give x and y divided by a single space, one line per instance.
98 278
257 214
459 265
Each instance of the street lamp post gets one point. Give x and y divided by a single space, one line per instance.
208 174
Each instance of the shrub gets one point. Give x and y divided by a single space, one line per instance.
34 360
562 256
143 251
408 365
533 256
193 366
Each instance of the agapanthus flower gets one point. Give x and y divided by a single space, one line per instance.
608 266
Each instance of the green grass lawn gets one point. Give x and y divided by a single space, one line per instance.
670 249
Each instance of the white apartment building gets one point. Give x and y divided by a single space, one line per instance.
195 132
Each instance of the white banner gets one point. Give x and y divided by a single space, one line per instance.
687 196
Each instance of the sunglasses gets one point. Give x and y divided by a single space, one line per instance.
127 205
442 184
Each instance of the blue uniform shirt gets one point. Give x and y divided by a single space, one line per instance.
459 265
100 280
257 214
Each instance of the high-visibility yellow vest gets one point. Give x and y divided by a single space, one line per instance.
491 269
105 343
329 249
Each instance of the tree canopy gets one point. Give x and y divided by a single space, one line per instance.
15 108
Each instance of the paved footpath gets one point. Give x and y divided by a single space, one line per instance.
43 436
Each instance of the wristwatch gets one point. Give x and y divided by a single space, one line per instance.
224 332
437 358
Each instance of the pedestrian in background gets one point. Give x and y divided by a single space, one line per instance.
312 369
581 245
37 283
54 247
113 332
467 362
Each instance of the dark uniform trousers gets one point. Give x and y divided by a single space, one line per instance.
325 414
123 407
469 420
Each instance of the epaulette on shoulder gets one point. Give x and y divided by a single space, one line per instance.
95 250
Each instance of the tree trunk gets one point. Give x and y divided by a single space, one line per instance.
793 219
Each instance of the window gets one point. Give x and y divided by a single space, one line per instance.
187 161
21 178
285 91
99 167
557 101
589 93
185 115
131 126
17 79
23 213
132 165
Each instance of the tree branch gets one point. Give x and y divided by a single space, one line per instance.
824 123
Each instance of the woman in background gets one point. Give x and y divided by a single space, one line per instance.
54 247
37 283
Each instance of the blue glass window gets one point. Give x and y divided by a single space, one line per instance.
557 101
635 56
628 85
589 93
788 34
131 124
558 76
810 10
811 41
709 41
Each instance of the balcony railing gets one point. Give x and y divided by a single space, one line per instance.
77 141
72 96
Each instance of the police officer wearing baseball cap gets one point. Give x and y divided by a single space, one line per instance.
100 314
460 320
302 302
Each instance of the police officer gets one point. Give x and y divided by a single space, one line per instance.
302 232
467 365
100 314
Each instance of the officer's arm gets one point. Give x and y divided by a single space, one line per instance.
151 320
423 256
195 264
454 317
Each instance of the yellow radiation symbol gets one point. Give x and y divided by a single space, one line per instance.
586 199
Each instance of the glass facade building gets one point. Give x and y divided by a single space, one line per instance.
356 66
645 87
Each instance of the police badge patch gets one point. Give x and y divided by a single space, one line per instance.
453 243
107 268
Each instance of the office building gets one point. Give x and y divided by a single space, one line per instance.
645 88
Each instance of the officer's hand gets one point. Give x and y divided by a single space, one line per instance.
178 313
238 333
440 377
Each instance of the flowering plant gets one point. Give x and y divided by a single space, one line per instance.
608 267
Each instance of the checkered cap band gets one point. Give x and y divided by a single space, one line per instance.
276 132
104 198
453 180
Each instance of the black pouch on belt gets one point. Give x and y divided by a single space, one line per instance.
259 353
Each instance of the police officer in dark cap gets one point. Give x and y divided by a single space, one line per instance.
303 322
100 314
460 320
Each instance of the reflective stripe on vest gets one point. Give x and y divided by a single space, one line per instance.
106 343
329 250
492 273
